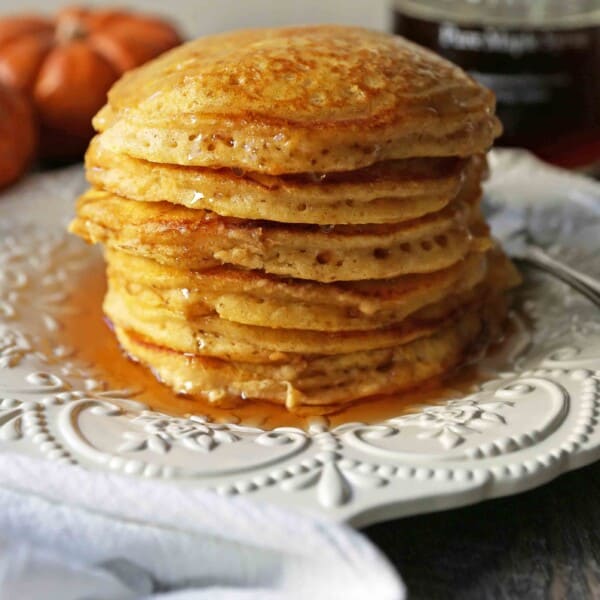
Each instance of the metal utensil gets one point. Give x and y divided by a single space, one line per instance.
514 228
522 249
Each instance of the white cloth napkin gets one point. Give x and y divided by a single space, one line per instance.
67 533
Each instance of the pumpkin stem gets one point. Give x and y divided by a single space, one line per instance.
70 28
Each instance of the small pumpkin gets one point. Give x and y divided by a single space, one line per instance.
17 134
66 66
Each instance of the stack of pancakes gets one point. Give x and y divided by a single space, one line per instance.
292 215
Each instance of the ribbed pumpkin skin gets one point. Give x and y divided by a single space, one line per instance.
67 64
18 135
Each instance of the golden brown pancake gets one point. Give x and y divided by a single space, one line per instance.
323 383
255 298
213 336
297 100
387 192
198 239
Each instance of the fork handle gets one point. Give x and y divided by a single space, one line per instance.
577 285
536 253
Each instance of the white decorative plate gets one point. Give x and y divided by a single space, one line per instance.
533 418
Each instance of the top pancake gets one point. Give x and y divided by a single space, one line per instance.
297 100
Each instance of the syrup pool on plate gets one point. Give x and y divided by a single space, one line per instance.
88 333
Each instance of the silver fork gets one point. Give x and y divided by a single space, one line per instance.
515 227
523 249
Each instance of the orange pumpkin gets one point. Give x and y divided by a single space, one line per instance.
17 135
67 65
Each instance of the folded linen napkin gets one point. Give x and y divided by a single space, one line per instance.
67 533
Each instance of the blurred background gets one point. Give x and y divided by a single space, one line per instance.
200 17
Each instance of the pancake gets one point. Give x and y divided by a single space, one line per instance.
213 336
387 192
320 383
254 298
297 100
197 239
293 215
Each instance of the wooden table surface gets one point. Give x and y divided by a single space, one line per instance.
541 544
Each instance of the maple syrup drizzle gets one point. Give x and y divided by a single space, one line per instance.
87 331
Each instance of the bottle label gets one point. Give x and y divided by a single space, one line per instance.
546 81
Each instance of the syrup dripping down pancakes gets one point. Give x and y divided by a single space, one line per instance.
292 215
